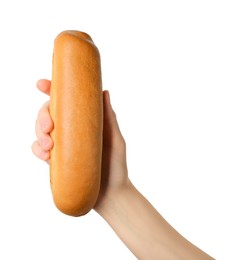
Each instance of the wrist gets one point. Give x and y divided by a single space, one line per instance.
109 201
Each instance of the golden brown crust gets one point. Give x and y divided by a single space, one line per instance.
77 113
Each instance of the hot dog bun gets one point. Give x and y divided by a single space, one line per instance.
77 112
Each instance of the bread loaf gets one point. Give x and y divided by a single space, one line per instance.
76 109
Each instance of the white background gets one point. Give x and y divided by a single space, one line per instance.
173 72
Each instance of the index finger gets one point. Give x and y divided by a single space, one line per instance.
44 86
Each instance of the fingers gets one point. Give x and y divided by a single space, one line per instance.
39 152
44 86
43 127
44 123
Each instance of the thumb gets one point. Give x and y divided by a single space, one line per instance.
111 131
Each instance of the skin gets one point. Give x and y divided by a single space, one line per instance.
132 217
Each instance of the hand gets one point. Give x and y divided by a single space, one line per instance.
114 175
137 223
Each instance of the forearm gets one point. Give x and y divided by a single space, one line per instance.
143 230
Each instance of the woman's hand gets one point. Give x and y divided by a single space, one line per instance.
114 175
138 224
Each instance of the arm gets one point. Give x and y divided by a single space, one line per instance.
137 223
143 230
